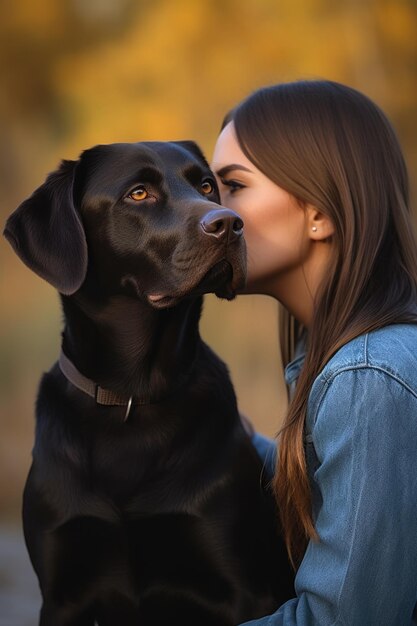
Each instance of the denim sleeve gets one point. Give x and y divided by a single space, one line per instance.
267 451
363 570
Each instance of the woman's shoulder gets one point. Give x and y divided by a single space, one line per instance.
392 348
390 351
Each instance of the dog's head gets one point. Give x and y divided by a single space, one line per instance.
140 218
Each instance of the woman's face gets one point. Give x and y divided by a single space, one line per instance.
275 223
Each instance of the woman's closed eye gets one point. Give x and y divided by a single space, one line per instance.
233 185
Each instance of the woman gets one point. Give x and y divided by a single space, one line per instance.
316 172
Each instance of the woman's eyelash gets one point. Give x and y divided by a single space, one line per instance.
233 184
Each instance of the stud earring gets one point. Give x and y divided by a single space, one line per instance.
314 229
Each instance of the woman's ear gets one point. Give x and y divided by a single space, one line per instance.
320 226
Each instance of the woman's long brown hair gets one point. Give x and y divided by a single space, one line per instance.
331 147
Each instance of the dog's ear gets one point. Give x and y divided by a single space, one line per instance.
192 147
46 232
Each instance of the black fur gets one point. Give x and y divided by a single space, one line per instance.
164 518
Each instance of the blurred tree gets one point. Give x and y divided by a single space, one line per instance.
77 73
35 37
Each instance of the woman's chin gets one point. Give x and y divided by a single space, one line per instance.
252 287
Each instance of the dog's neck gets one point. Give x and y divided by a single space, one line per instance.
126 346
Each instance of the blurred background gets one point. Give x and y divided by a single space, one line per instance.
75 73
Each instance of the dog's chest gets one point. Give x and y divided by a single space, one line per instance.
119 465
139 472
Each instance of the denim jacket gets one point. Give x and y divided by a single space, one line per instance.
361 450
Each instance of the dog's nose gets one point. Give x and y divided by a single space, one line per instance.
222 224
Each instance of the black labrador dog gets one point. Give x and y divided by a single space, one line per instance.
145 503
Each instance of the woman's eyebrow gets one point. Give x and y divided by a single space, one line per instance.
230 168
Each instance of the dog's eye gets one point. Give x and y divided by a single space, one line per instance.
207 187
138 194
